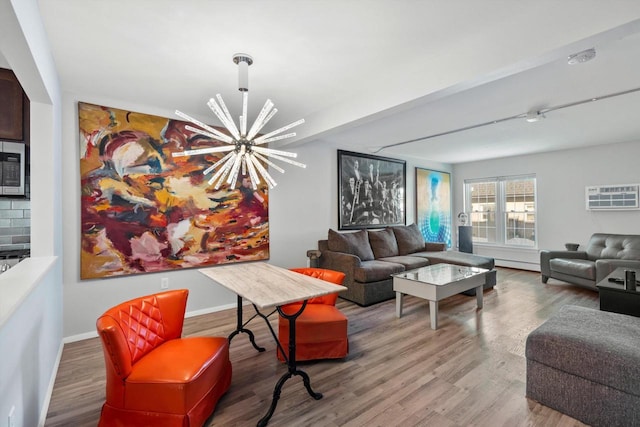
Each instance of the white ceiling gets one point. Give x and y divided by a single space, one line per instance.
368 73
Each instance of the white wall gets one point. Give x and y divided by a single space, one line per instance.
561 180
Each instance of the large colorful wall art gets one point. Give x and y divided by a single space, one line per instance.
145 211
433 205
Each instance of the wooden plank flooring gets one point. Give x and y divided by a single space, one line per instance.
399 372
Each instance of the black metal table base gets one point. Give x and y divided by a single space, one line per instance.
290 357
240 327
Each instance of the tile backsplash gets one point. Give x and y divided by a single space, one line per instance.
15 224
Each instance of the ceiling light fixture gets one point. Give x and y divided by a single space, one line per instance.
581 57
534 116
245 151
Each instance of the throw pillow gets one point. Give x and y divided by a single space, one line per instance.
383 243
352 243
409 239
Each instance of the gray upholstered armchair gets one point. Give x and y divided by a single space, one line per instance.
604 253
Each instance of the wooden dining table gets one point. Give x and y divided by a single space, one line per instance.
266 287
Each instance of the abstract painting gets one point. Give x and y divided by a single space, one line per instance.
433 205
370 191
144 211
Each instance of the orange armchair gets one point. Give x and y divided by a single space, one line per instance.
155 377
321 329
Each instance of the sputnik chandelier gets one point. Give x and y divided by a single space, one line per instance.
244 149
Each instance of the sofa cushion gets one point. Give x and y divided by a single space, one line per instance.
409 262
351 243
574 267
383 243
374 271
613 246
409 239
457 258
596 345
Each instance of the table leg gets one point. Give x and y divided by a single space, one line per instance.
240 327
433 312
291 367
479 291
399 296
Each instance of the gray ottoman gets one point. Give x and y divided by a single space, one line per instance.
586 363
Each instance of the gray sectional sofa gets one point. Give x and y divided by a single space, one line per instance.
604 253
586 363
368 258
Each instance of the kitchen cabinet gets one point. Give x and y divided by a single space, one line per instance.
14 108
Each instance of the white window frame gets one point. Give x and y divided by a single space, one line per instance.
501 222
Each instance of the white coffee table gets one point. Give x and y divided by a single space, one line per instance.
437 282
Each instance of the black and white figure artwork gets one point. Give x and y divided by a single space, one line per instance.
371 191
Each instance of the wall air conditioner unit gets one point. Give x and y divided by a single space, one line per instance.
612 197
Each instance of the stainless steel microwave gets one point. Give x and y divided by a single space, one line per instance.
12 162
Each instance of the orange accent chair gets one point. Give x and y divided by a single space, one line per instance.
321 329
155 377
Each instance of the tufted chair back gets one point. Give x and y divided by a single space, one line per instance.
332 276
613 246
134 328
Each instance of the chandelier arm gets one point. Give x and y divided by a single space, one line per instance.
265 174
217 110
208 170
277 131
269 151
234 130
216 175
221 177
267 161
203 151
263 117
284 159
222 172
221 136
243 118
277 138
255 179
233 175
217 136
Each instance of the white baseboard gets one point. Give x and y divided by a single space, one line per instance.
80 337
52 381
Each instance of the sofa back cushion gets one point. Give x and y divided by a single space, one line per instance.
613 246
383 243
409 239
351 243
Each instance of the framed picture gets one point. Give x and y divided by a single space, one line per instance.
145 211
433 205
371 191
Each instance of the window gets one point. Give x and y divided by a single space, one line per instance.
502 210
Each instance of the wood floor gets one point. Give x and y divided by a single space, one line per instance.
399 372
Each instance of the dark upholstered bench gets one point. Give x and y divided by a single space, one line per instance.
586 363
